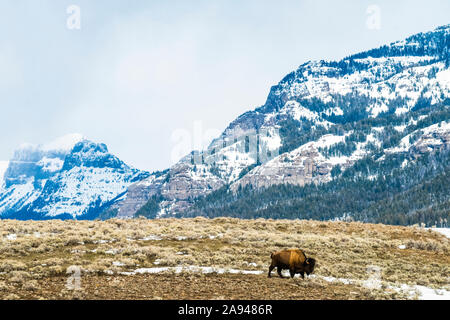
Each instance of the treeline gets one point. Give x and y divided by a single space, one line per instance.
296 133
400 196
370 190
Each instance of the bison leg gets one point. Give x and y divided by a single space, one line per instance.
279 272
292 272
302 274
270 270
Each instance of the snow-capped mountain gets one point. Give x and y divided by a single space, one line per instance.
318 121
70 177
313 163
375 124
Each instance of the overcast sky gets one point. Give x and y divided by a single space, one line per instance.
138 71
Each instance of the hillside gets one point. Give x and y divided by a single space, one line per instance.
220 258
332 140
386 188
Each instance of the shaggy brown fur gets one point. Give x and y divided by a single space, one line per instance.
293 259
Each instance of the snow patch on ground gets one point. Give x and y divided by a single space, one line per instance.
426 293
11 237
298 112
377 109
444 231
422 292
191 269
413 291
404 163
152 237
400 111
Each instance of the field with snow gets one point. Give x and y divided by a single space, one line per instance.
218 259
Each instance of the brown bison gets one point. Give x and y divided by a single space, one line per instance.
293 259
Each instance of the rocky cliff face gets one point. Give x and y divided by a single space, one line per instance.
69 178
308 164
429 139
200 173
311 124
302 166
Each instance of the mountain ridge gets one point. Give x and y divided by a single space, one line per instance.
319 98
321 123
69 178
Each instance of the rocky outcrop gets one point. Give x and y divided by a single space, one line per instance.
71 178
302 166
430 139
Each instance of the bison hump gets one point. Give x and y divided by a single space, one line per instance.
297 258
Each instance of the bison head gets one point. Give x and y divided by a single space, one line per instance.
309 265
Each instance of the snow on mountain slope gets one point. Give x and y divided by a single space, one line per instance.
380 82
71 178
424 140
391 78
73 197
296 167
200 173
305 164
395 79
18 196
3 167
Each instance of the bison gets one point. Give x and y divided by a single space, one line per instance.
293 259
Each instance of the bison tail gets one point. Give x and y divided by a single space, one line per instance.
271 255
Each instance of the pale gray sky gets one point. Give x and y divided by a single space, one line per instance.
139 70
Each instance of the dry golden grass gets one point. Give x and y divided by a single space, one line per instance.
36 251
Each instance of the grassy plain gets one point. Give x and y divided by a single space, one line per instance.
35 256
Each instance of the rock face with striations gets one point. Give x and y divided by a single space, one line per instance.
304 130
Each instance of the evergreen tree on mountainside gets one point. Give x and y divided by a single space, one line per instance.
367 127
409 196
396 196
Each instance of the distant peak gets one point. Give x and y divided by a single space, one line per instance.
89 146
444 27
